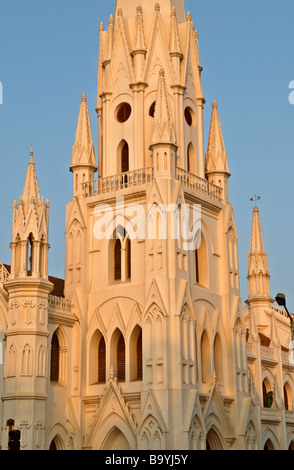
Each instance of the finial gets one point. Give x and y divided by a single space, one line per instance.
101 27
214 105
84 98
111 20
120 12
139 9
173 12
255 199
189 17
157 7
32 154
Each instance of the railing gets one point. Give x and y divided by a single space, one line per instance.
270 413
59 303
111 184
198 184
130 179
267 353
4 274
279 310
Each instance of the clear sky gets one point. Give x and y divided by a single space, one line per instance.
49 56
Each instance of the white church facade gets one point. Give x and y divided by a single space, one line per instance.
144 345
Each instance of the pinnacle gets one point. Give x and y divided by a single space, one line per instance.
31 188
216 155
83 150
32 154
163 121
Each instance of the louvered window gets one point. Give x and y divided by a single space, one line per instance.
101 361
54 373
196 266
139 357
121 359
117 260
125 158
128 255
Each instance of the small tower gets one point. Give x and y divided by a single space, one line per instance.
27 330
258 271
164 139
259 294
83 154
216 165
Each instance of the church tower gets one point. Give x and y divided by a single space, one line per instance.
259 294
28 288
161 332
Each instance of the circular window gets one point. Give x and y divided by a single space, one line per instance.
152 109
189 116
123 112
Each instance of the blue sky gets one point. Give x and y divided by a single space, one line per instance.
48 57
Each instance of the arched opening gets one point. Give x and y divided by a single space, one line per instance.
53 445
269 445
218 360
30 255
56 443
287 396
291 445
128 258
201 263
55 350
136 364
152 109
121 359
17 264
102 361
116 440
122 255
118 355
117 260
213 441
205 358
97 359
191 159
267 394
125 158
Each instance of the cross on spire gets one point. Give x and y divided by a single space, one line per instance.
255 199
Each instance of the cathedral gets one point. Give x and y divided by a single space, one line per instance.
144 345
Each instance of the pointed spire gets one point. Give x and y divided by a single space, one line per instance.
175 47
83 149
164 129
258 271
257 255
216 155
110 38
139 34
31 189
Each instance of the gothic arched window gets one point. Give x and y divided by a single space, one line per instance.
117 260
54 375
125 158
121 359
102 361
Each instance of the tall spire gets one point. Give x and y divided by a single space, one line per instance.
31 188
163 130
258 271
216 155
83 149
